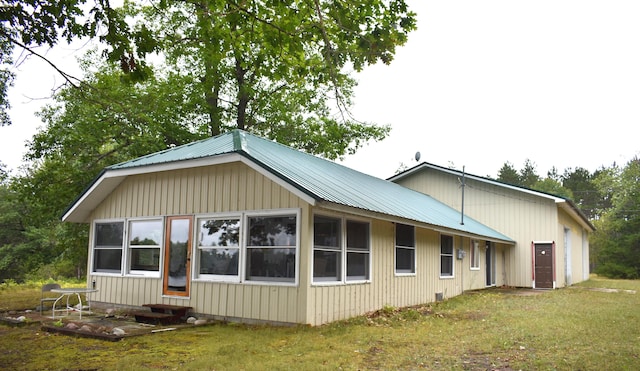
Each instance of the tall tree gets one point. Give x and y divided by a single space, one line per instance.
508 174
528 175
279 68
617 241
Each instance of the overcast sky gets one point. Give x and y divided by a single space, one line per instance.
478 84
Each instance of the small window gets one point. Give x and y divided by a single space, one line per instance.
475 255
446 256
405 249
145 238
271 248
218 248
107 247
357 251
327 249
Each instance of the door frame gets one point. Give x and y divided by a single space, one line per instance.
490 264
166 290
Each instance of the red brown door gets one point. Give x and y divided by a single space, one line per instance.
543 266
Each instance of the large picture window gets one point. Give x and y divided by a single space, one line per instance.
218 248
341 250
145 239
405 249
107 247
446 256
271 248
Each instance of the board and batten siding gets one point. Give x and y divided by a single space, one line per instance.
332 302
233 187
576 239
519 215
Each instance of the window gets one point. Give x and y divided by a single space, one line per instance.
357 251
341 250
475 255
405 249
327 251
218 248
271 248
446 256
107 247
145 238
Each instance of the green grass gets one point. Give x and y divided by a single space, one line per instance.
567 329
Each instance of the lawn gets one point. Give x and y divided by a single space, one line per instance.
569 329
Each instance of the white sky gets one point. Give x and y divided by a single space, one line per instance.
480 83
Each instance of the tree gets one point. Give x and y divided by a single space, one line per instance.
617 241
272 68
508 174
528 175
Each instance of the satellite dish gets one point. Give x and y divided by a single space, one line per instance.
418 156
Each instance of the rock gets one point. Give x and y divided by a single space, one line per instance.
85 328
118 331
191 320
110 313
200 322
21 319
71 326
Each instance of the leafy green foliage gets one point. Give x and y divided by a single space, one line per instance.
617 241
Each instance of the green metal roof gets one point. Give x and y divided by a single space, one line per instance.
320 179
323 180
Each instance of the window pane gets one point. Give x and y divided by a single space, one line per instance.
109 234
405 235
326 232
405 260
272 231
326 265
219 232
357 235
145 232
446 245
145 259
357 266
219 261
271 264
446 265
107 260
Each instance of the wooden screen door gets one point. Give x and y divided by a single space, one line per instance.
177 256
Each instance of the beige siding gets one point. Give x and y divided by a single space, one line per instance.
329 303
214 189
578 258
518 215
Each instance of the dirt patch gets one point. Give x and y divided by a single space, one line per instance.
603 289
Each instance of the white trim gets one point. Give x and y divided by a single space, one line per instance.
92 246
128 272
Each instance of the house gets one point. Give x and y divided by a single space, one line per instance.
551 234
241 228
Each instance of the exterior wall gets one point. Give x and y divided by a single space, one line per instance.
205 190
331 302
573 236
523 217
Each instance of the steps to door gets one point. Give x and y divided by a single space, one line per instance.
161 314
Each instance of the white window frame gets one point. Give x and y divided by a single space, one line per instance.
404 272
198 249
474 255
245 248
130 248
344 250
93 247
452 256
